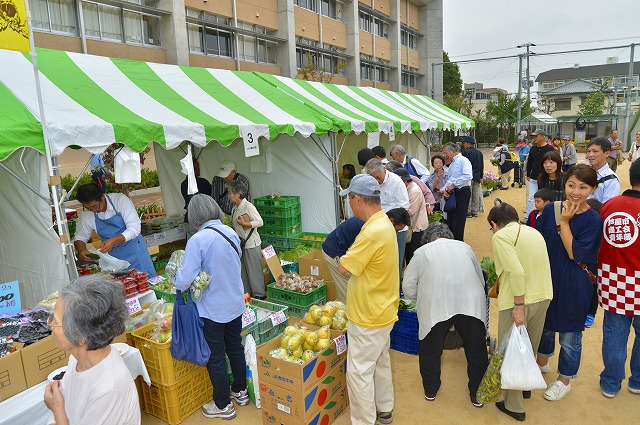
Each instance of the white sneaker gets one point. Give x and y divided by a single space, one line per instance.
634 390
545 368
242 398
211 411
556 391
606 394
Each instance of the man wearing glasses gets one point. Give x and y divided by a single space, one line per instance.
115 220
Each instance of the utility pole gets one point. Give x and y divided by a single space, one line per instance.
625 139
519 117
527 45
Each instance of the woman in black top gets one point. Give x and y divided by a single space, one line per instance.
551 175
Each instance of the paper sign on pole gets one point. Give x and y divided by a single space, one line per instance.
273 262
373 139
250 136
392 133
10 298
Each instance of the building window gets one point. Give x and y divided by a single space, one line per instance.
563 105
329 8
482 96
327 58
550 85
408 38
217 43
106 22
374 71
373 24
54 15
307 4
140 28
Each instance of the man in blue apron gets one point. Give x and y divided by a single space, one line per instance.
115 220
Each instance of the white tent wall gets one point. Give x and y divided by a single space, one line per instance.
349 153
29 249
286 166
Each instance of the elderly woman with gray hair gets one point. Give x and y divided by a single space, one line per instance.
446 279
215 248
97 387
245 220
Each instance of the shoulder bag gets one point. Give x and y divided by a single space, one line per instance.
187 332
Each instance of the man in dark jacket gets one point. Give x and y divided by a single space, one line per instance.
477 165
534 164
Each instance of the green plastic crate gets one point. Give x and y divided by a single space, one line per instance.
159 265
264 310
281 232
297 240
282 222
280 202
300 310
289 298
279 212
269 334
279 243
253 330
168 296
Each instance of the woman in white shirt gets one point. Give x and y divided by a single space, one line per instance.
245 220
634 150
97 387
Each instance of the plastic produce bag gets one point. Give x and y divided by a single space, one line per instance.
109 263
491 386
253 386
519 369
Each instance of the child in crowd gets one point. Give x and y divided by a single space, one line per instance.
541 198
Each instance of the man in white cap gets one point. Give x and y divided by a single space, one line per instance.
226 173
372 305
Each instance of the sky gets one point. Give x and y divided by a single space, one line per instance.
476 29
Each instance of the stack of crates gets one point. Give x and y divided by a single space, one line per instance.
178 388
282 219
298 303
404 335
267 315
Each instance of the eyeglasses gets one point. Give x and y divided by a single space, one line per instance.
94 207
50 320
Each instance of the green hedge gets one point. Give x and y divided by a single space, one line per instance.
149 178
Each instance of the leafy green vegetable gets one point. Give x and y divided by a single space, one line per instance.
407 305
489 268
293 254
436 217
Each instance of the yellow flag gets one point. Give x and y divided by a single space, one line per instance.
14 28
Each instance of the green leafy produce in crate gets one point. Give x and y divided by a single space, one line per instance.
293 254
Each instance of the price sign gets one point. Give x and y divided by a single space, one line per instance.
250 137
10 298
150 239
373 139
278 317
133 305
315 271
155 280
341 344
160 237
392 132
269 252
248 317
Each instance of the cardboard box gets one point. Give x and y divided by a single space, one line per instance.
312 264
304 407
293 376
326 416
40 359
12 379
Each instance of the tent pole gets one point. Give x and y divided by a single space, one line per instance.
336 181
52 163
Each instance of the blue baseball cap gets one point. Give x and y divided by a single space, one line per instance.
469 139
362 184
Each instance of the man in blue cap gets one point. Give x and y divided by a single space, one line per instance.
477 165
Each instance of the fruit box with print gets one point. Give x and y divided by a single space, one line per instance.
326 416
41 358
12 380
296 377
304 407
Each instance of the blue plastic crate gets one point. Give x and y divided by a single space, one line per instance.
407 322
405 342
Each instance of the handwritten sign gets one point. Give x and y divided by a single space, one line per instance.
133 305
10 298
278 317
392 133
250 137
315 271
269 252
373 139
341 344
155 280
248 317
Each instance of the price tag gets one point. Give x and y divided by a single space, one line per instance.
269 252
248 317
250 137
373 139
133 305
392 132
315 271
341 344
285 409
278 317
150 239
155 280
10 298
160 237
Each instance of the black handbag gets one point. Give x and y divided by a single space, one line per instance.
450 203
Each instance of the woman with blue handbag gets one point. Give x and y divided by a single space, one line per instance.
215 248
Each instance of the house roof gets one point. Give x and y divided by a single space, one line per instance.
587 72
539 117
589 118
572 87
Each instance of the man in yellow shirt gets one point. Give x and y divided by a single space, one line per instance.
372 305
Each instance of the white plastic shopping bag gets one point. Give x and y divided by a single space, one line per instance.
519 369
253 386
109 263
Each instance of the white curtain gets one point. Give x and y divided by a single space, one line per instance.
195 37
110 22
298 167
39 13
132 27
63 16
91 20
29 249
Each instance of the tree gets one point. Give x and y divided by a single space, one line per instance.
593 104
459 103
311 71
505 109
451 78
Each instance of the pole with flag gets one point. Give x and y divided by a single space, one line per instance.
16 34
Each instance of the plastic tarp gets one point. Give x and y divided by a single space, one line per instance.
29 248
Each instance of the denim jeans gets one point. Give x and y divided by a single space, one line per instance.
570 351
533 188
615 334
225 338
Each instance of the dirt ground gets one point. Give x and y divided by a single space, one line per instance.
584 404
